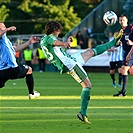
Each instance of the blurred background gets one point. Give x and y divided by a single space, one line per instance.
82 19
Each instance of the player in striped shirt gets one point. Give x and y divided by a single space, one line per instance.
116 59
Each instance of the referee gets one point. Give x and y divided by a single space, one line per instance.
127 40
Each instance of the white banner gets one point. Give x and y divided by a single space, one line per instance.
100 60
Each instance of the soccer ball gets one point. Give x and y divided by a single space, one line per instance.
110 18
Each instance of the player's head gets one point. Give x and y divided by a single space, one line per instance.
53 26
123 20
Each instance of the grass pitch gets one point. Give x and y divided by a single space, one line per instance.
56 109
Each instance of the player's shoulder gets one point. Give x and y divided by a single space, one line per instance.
129 28
44 38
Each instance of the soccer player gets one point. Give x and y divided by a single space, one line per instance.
71 64
116 59
127 40
9 68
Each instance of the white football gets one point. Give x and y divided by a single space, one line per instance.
110 18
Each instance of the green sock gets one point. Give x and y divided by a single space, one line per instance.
85 97
103 47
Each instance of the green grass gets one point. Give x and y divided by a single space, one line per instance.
55 111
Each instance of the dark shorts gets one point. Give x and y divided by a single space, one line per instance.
12 73
115 65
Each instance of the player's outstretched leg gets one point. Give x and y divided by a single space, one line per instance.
103 47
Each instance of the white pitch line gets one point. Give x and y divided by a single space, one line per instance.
62 97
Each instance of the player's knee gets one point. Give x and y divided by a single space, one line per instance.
87 83
111 72
30 70
125 70
90 85
91 52
119 70
87 54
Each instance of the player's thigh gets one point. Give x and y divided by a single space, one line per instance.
21 71
112 66
4 77
119 66
78 73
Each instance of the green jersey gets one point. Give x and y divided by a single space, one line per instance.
56 54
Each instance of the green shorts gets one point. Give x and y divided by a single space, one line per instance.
78 73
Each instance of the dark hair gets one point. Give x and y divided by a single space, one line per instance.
52 26
123 15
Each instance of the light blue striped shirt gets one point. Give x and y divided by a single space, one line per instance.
117 56
7 54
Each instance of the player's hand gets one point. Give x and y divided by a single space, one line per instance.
129 42
12 28
66 44
34 39
70 39
128 57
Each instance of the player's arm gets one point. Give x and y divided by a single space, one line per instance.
63 44
60 43
4 30
32 40
129 42
129 54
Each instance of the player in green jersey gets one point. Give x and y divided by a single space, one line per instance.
72 64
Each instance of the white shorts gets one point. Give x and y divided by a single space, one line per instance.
79 58
77 72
